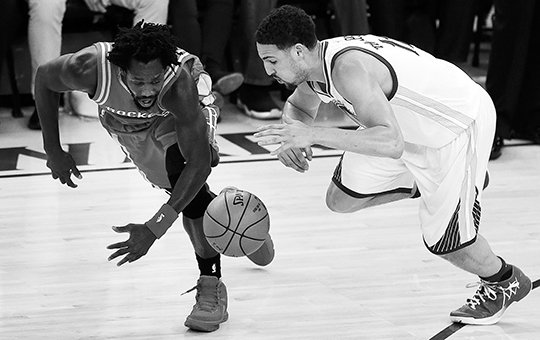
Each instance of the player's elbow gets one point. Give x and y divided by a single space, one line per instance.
395 144
395 148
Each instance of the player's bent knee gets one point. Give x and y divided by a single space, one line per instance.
196 208
340 202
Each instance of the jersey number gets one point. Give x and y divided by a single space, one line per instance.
385 40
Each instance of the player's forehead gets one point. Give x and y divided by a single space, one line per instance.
269 51
151 69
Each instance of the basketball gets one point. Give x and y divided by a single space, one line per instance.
236 223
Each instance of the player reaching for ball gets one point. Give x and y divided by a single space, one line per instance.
425 130
155 100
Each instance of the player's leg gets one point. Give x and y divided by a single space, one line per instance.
361 181
150 10
44 38
210 309
453 234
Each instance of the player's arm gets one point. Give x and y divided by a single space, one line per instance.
191 129
74 71
302 104
382 136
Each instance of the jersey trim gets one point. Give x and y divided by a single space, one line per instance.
104 74
373 54
447 117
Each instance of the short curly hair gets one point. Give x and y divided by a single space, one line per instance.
144 42
286 26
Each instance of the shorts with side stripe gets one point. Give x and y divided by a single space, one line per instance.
450 180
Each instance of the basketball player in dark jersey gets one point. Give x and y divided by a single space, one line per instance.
155 100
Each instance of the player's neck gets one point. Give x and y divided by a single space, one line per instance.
317 62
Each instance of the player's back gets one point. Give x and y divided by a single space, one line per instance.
433 100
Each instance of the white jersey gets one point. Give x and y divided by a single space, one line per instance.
433 100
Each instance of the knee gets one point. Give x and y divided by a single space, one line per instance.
47 11
336 202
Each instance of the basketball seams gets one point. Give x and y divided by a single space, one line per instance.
234 233
225 228
240 217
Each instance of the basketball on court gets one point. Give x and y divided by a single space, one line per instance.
236 223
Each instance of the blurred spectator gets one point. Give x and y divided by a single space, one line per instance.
12 19
514 70
45 35
203 28
441 27
254 97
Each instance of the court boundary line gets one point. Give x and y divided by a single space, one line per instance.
132 167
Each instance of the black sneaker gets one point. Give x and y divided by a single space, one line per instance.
33 122
496 148
487 306
256 102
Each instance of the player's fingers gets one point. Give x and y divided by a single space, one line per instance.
299 158
70 183
288 162
118 245
127 258
269 127
270 140
123 229
76 172
308 152
118 253
284 147
54 176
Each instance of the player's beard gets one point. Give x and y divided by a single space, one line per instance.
138 104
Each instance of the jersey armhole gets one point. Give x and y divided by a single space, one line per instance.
378 57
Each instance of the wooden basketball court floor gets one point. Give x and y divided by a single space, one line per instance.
365 275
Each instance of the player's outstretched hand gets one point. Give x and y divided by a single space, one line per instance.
140 240
296 158
62 167
290 134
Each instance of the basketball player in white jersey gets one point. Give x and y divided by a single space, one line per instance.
153 99
425 130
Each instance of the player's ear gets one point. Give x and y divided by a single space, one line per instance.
298 50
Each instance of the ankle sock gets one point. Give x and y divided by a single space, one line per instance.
209 267
504 273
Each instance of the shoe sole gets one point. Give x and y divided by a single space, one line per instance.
229 83
265 254
485 321
204 326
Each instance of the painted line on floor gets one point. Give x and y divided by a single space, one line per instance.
132 167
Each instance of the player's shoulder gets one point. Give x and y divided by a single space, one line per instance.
82 62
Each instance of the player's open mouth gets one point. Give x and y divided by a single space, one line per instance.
146 102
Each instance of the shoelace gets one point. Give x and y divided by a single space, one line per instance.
488 290
485 291
207 297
